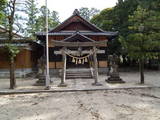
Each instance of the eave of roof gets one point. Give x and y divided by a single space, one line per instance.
15 44
18 39
15 34
78 44
83 33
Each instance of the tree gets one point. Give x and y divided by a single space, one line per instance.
11 50
31 11
11 14
103 19
53 19
18 25
88 13
144 40
116 19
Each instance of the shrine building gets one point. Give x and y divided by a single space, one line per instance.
77 44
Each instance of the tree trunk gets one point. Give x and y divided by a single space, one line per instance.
141 68
12 75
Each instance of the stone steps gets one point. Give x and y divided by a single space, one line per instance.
78 73
78 76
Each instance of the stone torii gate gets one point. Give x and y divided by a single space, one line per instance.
76 44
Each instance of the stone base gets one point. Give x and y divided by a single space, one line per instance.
41 81
19 73
114 80
62 85
97 84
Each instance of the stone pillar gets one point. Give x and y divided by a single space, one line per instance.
95 67
63 78
41 72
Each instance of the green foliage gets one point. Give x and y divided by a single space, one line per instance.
103 19
120 17
12 51
116 19
37 18
13 16
31 10
2 6
53 19
88 13
33 19
143 40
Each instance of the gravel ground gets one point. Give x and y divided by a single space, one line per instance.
152 79
140 104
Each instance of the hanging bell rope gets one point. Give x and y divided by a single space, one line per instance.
73 60
79 59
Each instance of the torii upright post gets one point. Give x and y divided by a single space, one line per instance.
95 67
63 78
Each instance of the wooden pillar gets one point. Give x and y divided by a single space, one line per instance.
95 67
64 59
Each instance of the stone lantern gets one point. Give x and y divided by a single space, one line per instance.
113 73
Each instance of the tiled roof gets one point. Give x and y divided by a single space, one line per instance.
69 20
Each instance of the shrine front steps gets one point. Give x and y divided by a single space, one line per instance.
79 73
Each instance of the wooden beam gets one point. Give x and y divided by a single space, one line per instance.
79 44
83 52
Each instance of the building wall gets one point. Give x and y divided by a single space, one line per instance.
23 64
23 60
56 65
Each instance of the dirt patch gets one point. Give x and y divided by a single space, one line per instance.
97 105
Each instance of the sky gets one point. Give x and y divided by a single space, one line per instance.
65 8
